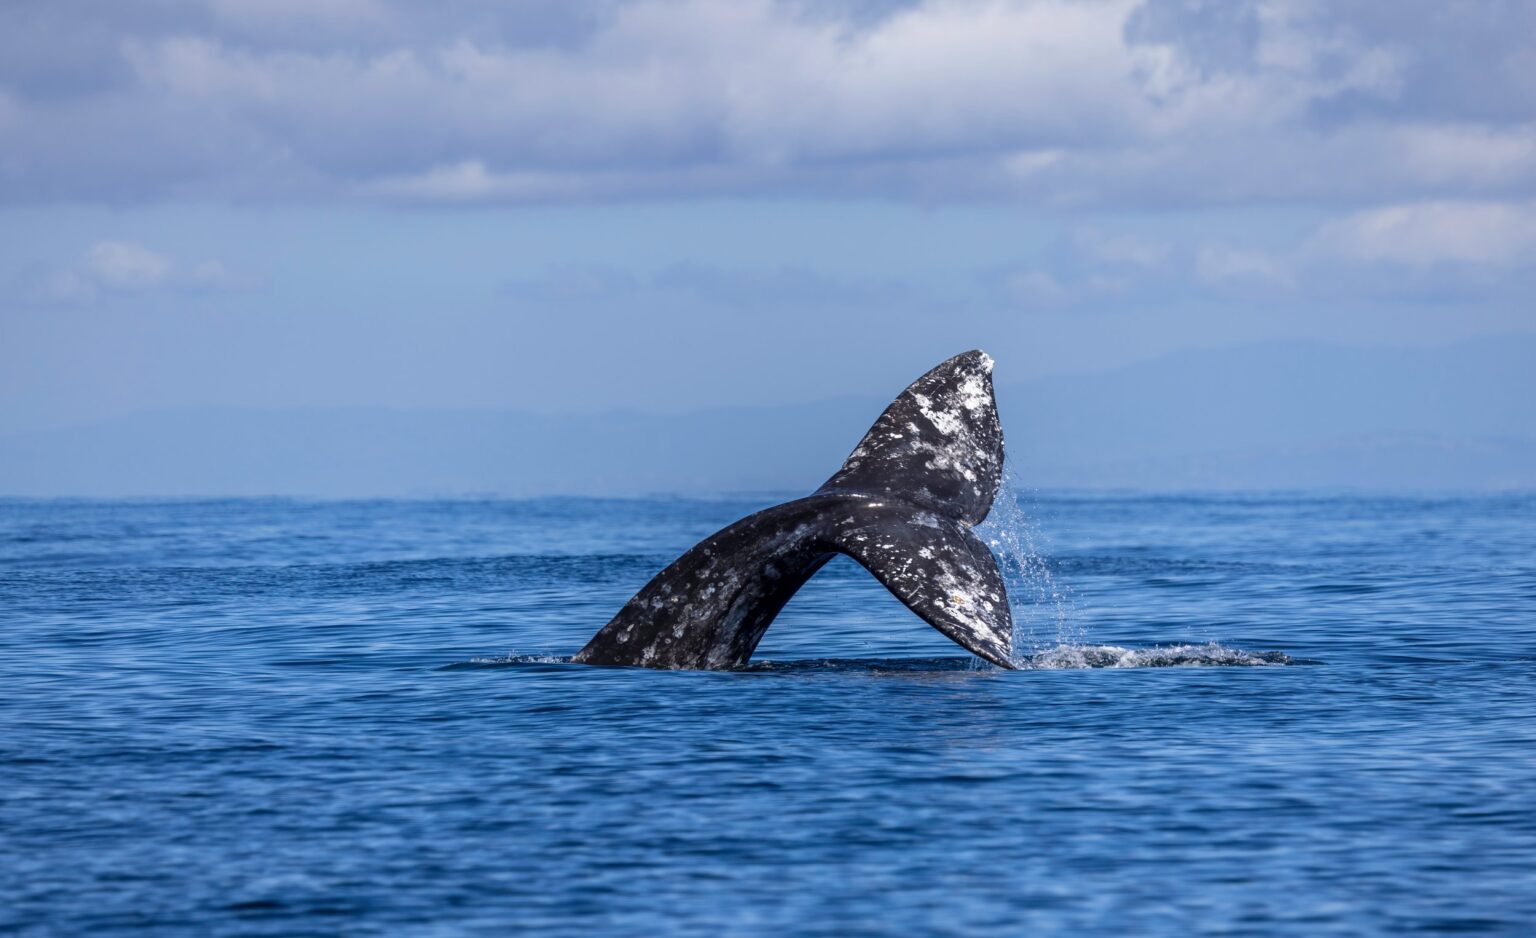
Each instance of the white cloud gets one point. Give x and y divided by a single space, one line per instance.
1032 288
1028 163
1060 102
1469 156
1082 266
1110 249
470 181
1429 233
122 267
1432 249
1224 263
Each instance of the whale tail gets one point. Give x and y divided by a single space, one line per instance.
902 505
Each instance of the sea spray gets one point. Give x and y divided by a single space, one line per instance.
1044 612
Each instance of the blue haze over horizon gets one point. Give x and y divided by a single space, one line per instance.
679 208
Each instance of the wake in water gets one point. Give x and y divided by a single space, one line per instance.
1210 655
505 661
1059 658
1062 657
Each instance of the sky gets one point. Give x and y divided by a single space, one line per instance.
663 205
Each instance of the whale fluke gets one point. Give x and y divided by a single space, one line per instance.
902 505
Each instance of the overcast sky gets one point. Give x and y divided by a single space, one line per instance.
661 205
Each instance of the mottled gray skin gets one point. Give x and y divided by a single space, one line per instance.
902 505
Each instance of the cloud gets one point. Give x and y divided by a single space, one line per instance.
1083 265
1218 264
1050 102
1107 249
123 267
1469 156
1435 250
301 14
470 181
1436 246
1426 234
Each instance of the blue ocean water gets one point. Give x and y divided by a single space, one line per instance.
1241 714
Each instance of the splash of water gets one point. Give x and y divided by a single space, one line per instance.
1209 655
1044 610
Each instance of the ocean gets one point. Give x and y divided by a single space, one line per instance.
1237 714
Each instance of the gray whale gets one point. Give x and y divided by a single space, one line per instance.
902 505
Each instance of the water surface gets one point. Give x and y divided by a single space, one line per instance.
1239 714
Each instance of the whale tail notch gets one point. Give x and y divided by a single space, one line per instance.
902 505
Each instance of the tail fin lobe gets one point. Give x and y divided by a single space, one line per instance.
940 570
939 444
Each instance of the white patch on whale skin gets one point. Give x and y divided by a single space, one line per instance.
946 421
973 393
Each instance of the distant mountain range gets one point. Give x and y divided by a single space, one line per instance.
1267 416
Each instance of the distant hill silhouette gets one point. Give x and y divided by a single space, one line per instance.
1266 416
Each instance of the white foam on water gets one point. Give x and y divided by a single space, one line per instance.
1209 655
519 659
